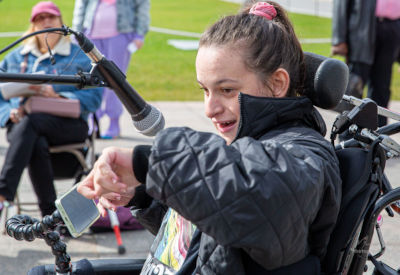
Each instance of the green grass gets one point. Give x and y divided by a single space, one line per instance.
307 26
189 15
159 71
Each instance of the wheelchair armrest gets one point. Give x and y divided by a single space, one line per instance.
117 266
96 267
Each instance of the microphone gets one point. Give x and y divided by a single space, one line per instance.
147 119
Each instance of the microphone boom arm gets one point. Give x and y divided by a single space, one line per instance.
81 79
113 79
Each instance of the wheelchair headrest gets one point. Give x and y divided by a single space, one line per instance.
326 80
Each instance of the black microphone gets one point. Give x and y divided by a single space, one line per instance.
147 119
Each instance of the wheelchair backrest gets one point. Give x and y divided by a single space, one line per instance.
359 193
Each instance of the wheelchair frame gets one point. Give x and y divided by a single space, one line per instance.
359 254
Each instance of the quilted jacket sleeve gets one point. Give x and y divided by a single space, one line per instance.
261 196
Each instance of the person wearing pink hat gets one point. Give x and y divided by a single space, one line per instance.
30 135
43 8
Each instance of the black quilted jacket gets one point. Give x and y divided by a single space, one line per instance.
274 193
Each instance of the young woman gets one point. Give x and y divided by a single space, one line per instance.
30 135
262 196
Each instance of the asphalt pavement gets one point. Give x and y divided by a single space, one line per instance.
17 257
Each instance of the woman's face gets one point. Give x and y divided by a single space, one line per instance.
46 20
222 74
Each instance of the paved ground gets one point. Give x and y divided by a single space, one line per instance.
18 257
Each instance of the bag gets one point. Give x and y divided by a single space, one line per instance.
125 218
54 106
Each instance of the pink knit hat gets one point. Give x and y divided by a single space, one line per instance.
45 7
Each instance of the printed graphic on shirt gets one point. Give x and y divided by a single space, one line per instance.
170 246
153 267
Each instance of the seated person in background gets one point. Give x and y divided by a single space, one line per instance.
261 196
30 135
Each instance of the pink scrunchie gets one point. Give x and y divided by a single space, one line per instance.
263 9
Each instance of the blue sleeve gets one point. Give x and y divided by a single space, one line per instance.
5 108
3 65
5 105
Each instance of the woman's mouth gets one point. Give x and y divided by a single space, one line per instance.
226 126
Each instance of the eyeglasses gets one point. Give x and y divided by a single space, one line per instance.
42 17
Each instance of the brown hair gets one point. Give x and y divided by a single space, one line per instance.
269 44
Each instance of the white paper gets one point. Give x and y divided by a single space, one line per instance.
15 89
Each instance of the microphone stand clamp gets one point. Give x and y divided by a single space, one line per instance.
23 227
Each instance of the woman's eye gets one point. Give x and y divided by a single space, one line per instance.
227 90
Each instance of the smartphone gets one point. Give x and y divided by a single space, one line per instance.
77 212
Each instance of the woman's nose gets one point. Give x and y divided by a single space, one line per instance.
213 105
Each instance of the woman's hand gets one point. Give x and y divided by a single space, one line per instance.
138 42
111 180
17 114
44 90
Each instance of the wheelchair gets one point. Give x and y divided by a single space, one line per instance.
366 190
